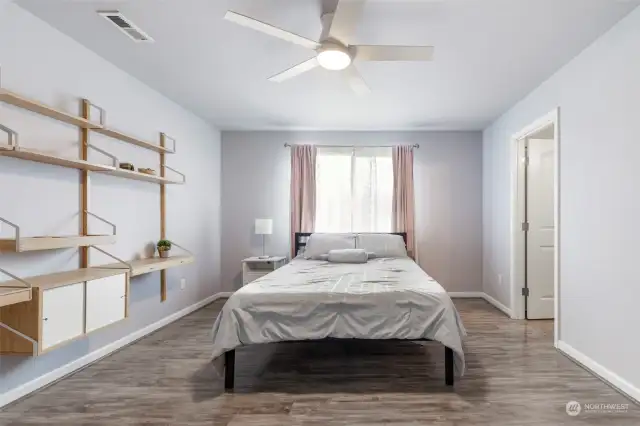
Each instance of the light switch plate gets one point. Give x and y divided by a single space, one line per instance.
183 283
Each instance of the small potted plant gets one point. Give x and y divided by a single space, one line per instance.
164 248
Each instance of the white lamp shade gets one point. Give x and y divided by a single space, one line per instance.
264 226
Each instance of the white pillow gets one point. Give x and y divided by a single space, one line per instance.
382 245
347 256
319 244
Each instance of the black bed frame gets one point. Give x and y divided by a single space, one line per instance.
301 239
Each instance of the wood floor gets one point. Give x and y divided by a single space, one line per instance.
514 377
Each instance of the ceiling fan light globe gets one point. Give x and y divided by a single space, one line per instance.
334 59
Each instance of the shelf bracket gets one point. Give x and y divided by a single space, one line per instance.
184 178
27 284
179 246
34 343
173 142
116 162
16 230
113 225
13 136
128 265
103 113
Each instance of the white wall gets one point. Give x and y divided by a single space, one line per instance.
599 98
448 184
42 63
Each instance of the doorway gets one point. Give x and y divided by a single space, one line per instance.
535 230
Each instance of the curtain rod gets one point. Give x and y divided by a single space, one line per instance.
288 145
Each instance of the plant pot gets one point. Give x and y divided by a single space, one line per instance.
165 253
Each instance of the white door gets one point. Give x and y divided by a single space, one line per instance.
106 301
540 237
62 314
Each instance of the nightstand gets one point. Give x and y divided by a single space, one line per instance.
254 267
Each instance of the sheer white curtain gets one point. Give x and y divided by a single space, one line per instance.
354 189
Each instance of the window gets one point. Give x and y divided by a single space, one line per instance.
354 189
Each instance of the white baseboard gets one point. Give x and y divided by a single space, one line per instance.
598 370
498 305
60 372
465 294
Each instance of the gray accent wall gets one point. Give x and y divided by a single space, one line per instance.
448 185
598 94
42 63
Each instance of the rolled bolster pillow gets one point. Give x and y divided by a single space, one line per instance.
348 256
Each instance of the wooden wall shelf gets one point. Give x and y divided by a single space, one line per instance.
37 314
61 279
133 140
141 176
145 266
11 295
37 107
53 242
42 157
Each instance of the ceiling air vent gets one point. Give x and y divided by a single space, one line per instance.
126 26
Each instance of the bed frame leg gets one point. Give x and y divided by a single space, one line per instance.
229 369
448 366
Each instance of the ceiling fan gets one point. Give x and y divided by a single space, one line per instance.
333 51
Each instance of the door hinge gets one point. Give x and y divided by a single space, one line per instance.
525 291
525 226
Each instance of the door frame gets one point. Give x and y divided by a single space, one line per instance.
517 215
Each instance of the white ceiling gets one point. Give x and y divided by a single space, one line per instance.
489 54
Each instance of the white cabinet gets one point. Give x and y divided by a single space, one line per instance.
64 306
62 314
106 301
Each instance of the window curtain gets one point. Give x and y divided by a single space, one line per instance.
403 195
303 190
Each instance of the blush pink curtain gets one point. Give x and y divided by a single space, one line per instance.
303 190
403 195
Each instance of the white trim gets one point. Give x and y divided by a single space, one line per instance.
50 377
516 279
598 370
466 294
498 304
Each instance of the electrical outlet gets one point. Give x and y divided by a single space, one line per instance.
183 283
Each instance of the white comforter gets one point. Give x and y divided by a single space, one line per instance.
306 300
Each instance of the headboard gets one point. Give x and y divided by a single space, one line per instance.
301 238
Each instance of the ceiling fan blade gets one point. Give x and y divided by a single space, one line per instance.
394 53
248 22
296 70
355 80
346 19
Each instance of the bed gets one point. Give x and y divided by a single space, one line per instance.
386 298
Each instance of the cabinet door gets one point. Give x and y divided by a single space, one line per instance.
62 314
106 301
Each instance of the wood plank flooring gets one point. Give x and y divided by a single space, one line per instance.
514 377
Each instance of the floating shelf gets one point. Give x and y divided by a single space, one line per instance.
41 157
145 266
133 140
60 279
37 107
13 295
55 242
141 176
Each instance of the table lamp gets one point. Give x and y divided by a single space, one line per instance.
264 227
